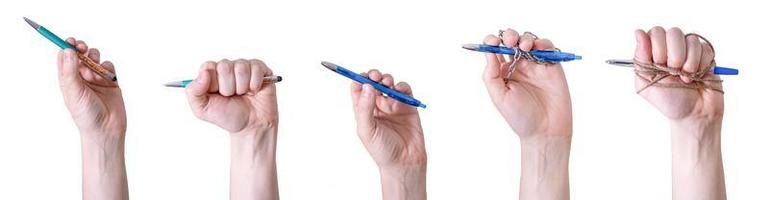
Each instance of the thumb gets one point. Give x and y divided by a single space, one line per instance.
197 90
364 109
643 51
491 75
69 72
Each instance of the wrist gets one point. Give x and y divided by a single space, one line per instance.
253 172
102 140
104 174
408 182
696 128
256 145
697 163
545 167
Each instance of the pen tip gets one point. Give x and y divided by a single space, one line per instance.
472 47
174 84
330 66
31 23
577 57
278 79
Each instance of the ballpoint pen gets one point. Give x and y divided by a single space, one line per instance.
184 83
64 45
392 93
716 70
540 55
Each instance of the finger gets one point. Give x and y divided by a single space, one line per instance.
526 42
69 74
210 66
388 80
405 88
364 109
71 41
197 91
492 75
94 55
510 38
356 89
91 76
226 78
643 49
693 54
375 75
676 48
81 46
659 51
109 66
258 72
543 44
88 75
706 60
242 70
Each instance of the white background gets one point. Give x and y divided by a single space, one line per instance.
621 146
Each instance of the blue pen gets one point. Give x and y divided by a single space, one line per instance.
716 70
403 98
542 55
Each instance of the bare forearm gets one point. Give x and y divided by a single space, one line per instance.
404 183
104 173
698 171
545 167
253 173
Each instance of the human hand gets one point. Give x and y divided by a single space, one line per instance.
535 100
687 55
232 95
95 103
392 134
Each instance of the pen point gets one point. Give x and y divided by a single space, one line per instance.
330 66
472 47
31 23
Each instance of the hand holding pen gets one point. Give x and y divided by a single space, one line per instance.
96 106
234 96
534 100
694 105
391 131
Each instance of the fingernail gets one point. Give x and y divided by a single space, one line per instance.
367 89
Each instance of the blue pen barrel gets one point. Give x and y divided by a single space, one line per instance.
543 55
388 91
496 49
725 71
554 56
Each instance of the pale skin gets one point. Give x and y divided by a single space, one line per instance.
392 134
536 104
96 106
232 95
695 114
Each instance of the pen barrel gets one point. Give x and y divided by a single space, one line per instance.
392 93
554 56
543 55
725 71
53 38
96 67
